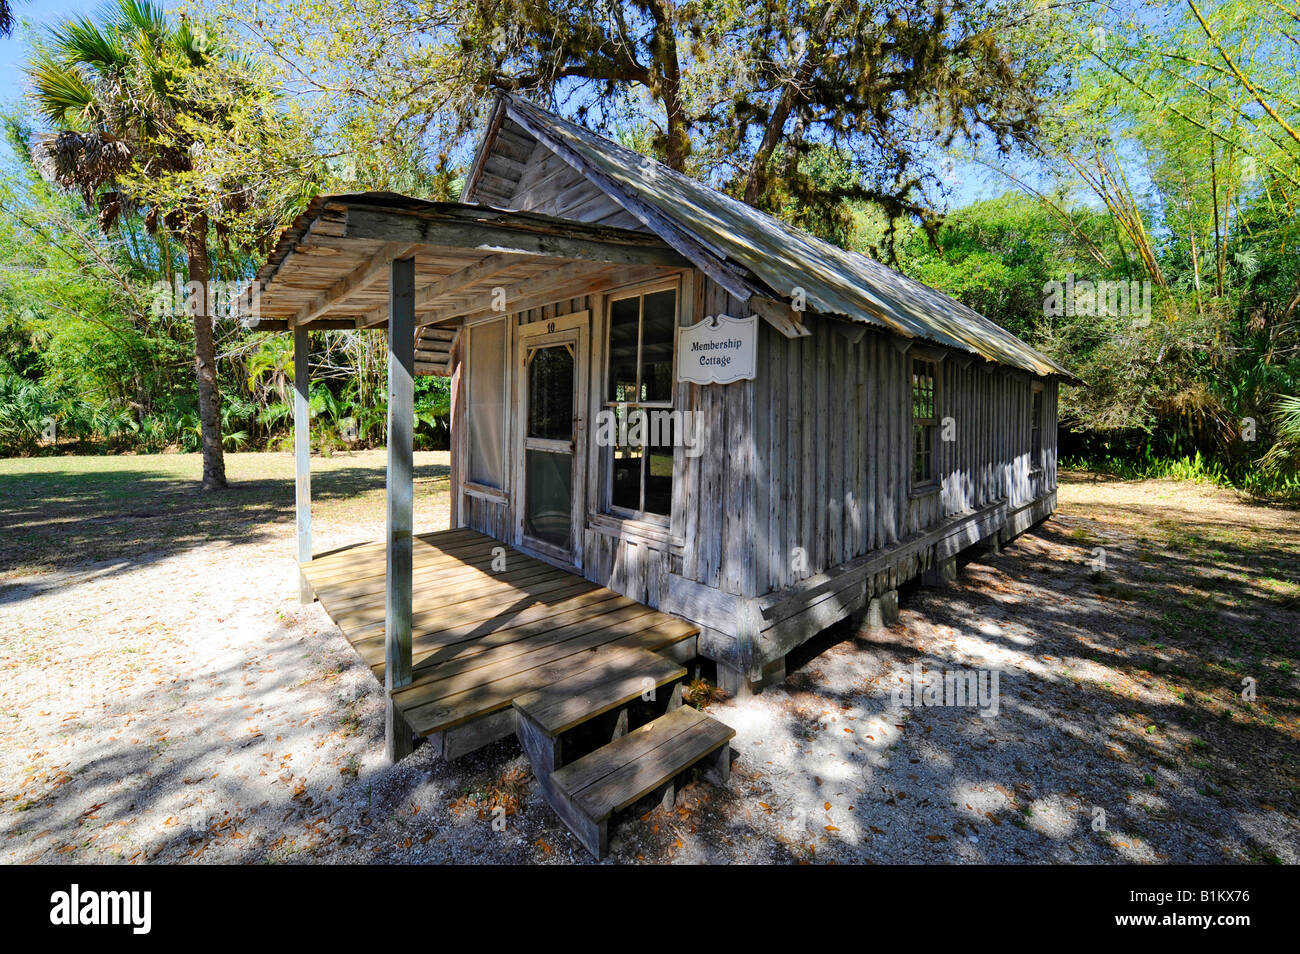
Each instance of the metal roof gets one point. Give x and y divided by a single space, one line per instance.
702 223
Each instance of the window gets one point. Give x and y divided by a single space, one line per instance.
924 421
642 337
1036 431
486 403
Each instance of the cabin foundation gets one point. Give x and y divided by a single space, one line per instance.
942 573
739 683
880 612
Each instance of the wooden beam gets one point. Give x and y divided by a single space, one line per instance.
432 294
302 454
282 324
780 316
364 275
524 233
400 499
853 332
564 282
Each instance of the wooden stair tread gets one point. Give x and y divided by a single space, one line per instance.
582 696
450 710
616 775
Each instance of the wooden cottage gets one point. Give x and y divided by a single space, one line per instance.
679 426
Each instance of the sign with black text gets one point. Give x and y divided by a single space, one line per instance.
718 350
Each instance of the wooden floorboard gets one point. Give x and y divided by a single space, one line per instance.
481 638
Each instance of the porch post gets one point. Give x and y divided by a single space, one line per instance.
400 493
302 454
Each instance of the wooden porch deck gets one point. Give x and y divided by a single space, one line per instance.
481 638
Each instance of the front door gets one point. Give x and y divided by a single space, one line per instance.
552 373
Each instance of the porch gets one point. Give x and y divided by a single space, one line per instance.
489 624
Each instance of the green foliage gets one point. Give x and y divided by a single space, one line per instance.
1195 469
1164 135
746 94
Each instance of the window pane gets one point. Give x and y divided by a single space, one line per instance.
548 501
923 389
550 394
922 436
486 401
658 331
624 316
626 489
659 463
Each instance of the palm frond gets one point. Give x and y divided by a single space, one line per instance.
61 91
83 42
83 161
141 16
7 20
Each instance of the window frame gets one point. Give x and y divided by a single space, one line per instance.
930 424
608 508
470 485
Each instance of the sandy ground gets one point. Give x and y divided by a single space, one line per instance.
175 703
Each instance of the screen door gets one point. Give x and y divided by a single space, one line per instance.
553 374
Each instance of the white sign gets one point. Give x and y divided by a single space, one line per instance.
718 350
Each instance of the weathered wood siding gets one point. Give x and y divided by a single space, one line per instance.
707 537
833 448
800 506
550 186
484 513
714 492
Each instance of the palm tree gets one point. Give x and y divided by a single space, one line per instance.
119 94
6 18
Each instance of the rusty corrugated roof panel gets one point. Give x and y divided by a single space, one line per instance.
836 282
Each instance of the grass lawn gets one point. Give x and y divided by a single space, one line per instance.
60 512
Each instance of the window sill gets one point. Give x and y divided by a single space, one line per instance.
928 490
485 492
625 527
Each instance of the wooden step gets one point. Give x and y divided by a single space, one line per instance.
434 705
586 792
569 702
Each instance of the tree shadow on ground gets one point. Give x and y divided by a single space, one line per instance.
111 519
1122 732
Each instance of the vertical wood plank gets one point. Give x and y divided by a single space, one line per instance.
762 472
871 421
793 351
302 453
808 482
400 499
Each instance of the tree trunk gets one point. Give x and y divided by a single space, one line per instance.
205 362
791 95
664 50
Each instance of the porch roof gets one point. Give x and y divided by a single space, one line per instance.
330 268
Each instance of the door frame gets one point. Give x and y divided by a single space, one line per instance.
574 329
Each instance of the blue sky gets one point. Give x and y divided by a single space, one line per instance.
14 49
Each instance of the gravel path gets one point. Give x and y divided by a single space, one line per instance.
185 708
